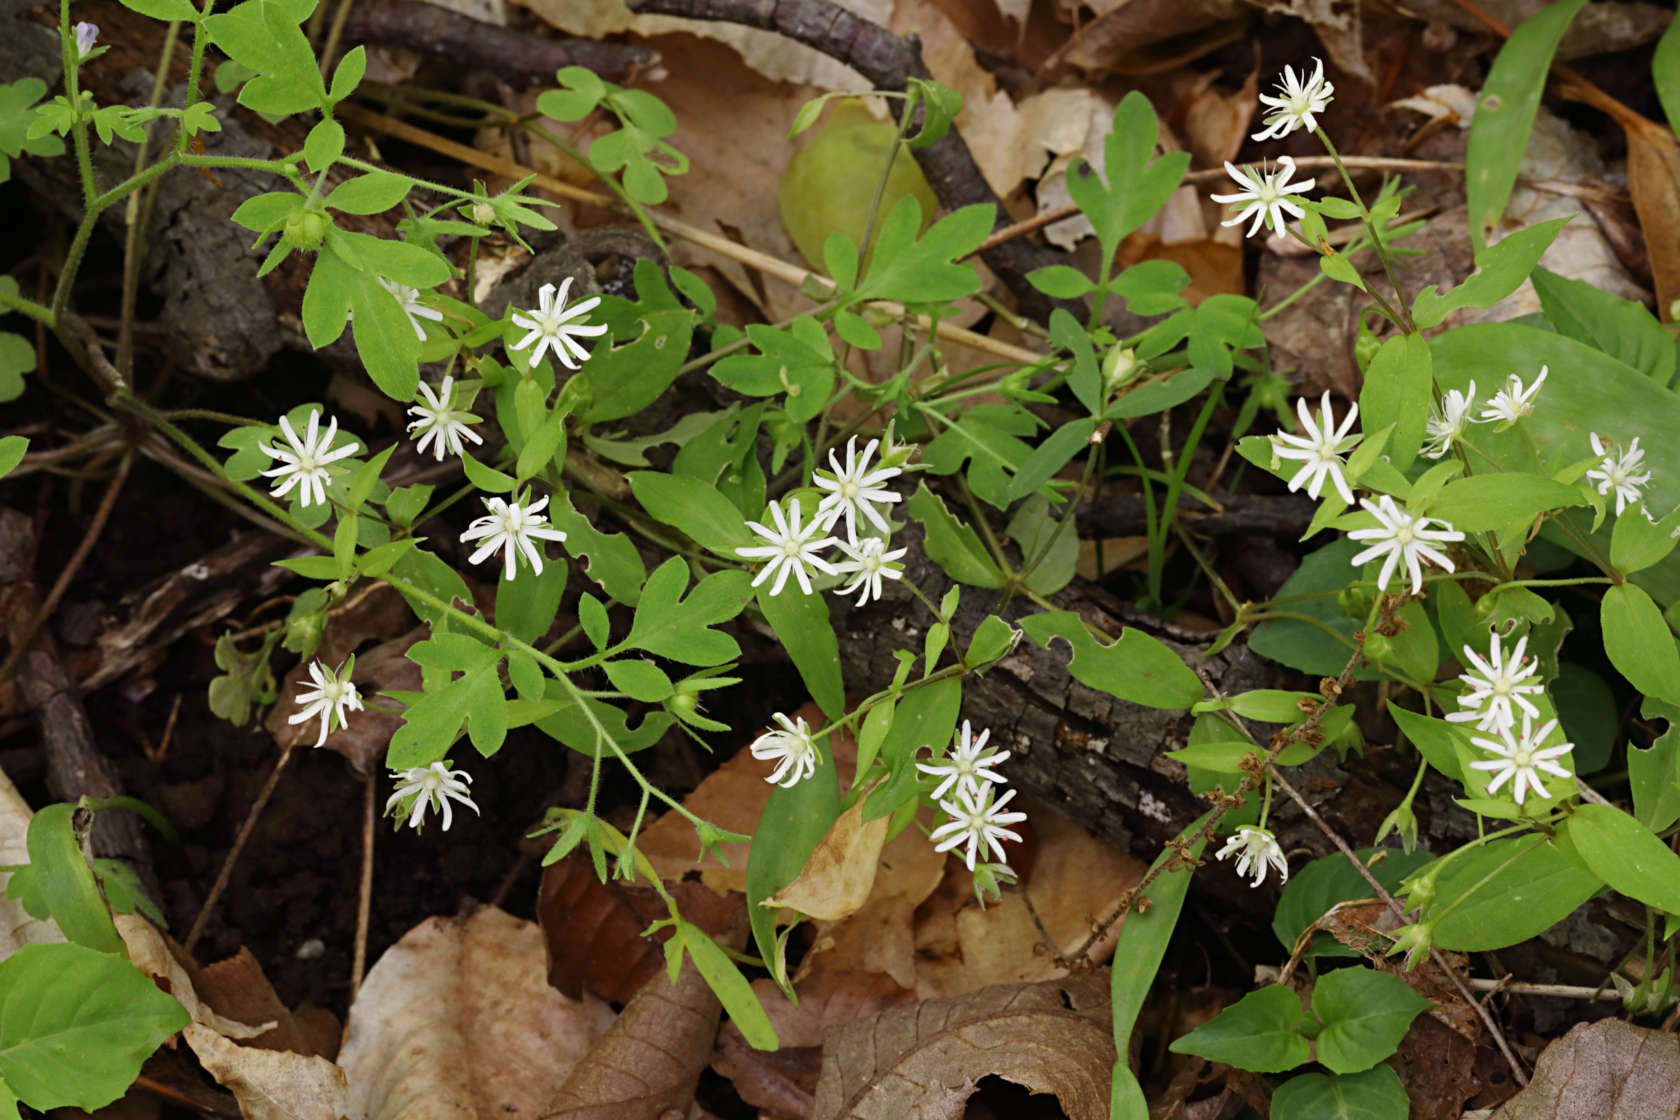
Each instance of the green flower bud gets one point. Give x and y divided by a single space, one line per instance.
1415 941
683 702
1119 366
305 229
482 213
1403 822
1353 602
1378 647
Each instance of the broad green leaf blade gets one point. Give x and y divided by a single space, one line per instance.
1639 643
926 270
925 717
624 380
1490 502
1506 891
1365 1014
1499 271
680 628
801 622
1654 772
1619 327
1135 667
1265 1031
798 816
526 605
1375 1094
1397 391
12 449
1627 855
610 559
1505 114
66 881
695 507
1327 881
76 1023
724 978
953 546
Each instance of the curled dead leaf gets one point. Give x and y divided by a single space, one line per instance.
1052 1037
271 1084
838 876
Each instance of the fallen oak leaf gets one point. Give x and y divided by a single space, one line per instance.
1052 1037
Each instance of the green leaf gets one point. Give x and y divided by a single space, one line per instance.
1637 544
926 716
1505 114
987 435
12 449
1627 855
1665 71
1375 1094
993 640
167 11
1152 287
1499 269
430 574
17 357
610 559
1051 456
926 270
671 626
526 605
1365 1015
1328 881
1639 643
1654 771
1491 502
639 679
373 193
264 36
951 545
1034 531
1135 667
802 625
66 882
1619 327
626 379
724 978
798 817
17 114
574 724
323 145
1138 184
1265 1031
694 507
348 75
1397 391
1441 743
76 1024
1506 891
1059 281
384 337
1083 377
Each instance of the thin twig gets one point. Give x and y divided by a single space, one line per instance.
364 895
245 830
1399 912
77 559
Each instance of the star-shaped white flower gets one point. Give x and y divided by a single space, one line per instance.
966 767
1618 470
439 424
792 546
792 750
975 819
868 564
1256 848
1446 421
1266 194
332 697
303 462
1495 684
556 326
854 489
1513 402
1522 758
1401 536
1320 450
1298 103
511 526
431 787
409 298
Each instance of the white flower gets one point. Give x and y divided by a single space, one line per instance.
1298 103
510 526
870 563
432 787
965 767
332 696
1400 536
552 325
1496 684
409 298
1513 402
1266 193
1259 849
1615 470
1320 450
976 819
791 547
1522 758
304 462
436 421
854 490
792 749
1446 423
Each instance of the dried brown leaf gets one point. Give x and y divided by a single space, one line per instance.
651 1058
924 1060
151 954
592 931
236 987
838 877
1654 182
1103 44
1608 1070
17 928
455 1020
271 1084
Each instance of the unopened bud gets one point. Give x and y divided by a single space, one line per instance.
1119 367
